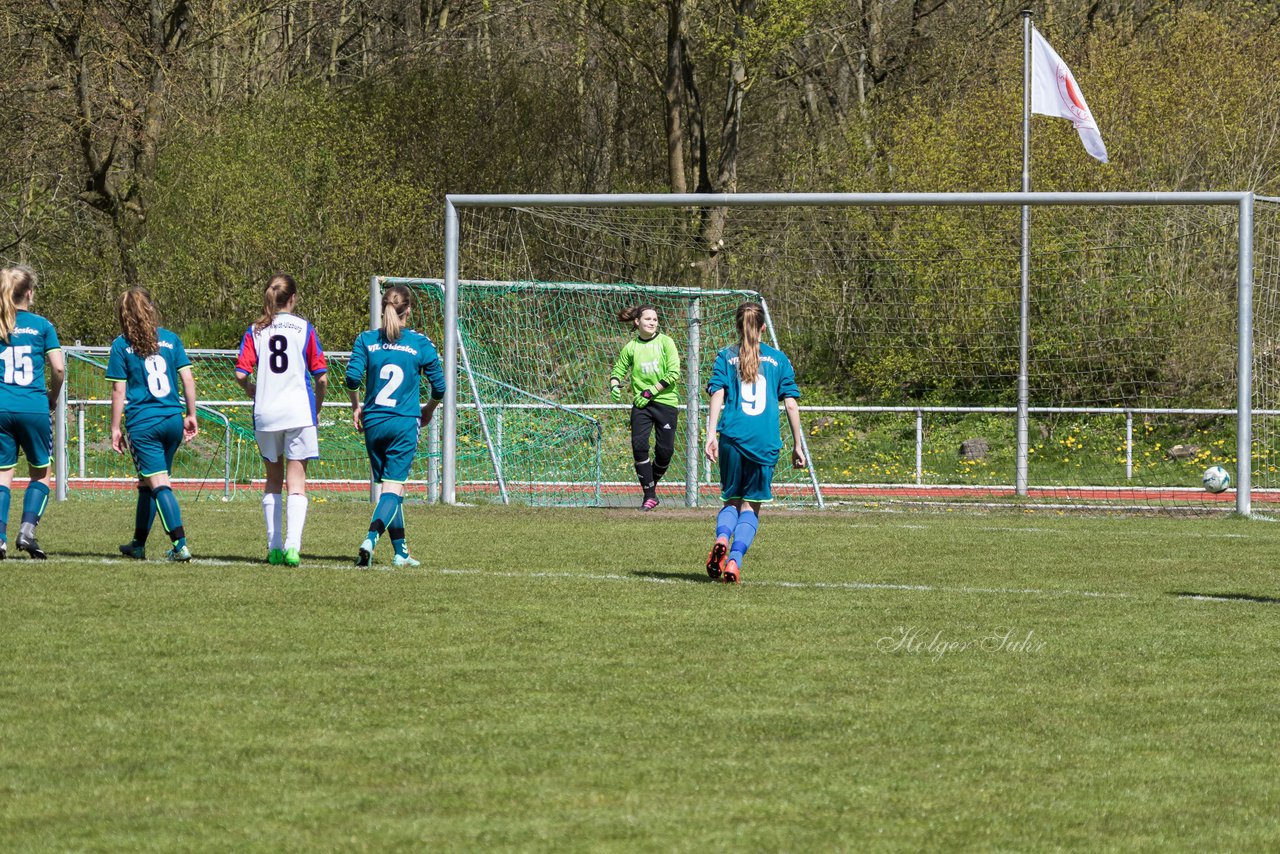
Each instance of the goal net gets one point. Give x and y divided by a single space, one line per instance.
535 421
903 322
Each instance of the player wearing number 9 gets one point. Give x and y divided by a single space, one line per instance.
28 345
388 362
746 384
280 357
146 365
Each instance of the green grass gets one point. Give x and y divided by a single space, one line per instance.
566 680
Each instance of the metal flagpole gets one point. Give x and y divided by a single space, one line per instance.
1024 310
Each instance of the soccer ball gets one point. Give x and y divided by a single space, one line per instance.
1216 479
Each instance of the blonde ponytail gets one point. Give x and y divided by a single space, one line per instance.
16 283
280 289
750 321
397 301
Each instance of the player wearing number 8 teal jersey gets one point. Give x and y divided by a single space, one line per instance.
389 362
146 367
28 345
746 384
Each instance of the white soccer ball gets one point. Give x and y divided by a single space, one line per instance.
1216 479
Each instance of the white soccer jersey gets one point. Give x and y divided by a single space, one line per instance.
286 355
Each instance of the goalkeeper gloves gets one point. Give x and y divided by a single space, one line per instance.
615 391
643 398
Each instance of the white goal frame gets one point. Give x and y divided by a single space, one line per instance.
1243 201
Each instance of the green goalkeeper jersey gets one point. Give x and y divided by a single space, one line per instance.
645 364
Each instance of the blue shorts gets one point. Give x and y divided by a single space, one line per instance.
154 445
392 444
30 431
743 477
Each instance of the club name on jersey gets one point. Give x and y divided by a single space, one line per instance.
733 360
399 348
166 344
281 323
24 330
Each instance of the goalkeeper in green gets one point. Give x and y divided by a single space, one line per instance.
647 371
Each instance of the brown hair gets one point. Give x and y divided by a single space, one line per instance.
280 289
632 313
397 301
139 321
15 284
750 321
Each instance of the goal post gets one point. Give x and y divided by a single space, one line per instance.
853 247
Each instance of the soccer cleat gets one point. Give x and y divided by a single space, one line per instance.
275 557
649 504
715 561
365 556
28 544
133 550
4 549
732 575
405 560
178 555
291 557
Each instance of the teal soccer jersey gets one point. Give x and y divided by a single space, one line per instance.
151 383
750 416
393 368
22 360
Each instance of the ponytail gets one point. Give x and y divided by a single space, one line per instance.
750 321
632 313
275 297
397 301
16 284
139 321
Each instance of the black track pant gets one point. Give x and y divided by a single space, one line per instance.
659 418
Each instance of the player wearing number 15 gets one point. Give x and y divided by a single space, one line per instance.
746 384
28 345
280 356
145 367
388 362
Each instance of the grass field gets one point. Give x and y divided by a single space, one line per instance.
568 680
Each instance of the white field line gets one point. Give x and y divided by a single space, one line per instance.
794 585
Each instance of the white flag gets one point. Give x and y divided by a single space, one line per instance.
1054 93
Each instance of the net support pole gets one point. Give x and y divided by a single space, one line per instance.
692 421
375 322
449 429
60 442
1244 370
1024 310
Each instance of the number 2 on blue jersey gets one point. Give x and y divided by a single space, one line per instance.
394 376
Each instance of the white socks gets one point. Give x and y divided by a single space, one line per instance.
273 511
297 519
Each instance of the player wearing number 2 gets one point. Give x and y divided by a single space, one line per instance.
146 365
388 361
284 351
650 367
746 384
28 345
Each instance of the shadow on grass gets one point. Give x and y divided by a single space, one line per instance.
672 576
1233 597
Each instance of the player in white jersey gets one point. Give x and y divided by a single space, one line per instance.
280 356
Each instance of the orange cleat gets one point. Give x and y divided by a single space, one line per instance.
715 561
732 575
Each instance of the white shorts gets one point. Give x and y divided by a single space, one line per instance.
298 443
